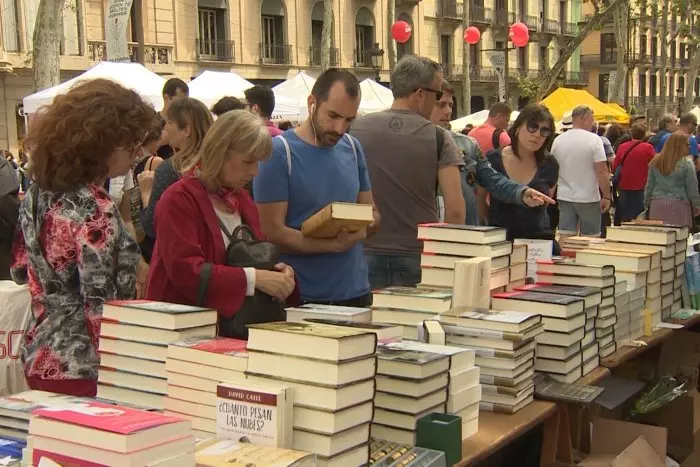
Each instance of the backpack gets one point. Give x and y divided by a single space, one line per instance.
496 138
9 214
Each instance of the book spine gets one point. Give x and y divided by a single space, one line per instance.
61 460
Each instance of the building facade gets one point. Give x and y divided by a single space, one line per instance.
642 88
268 41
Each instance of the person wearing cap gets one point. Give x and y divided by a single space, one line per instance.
583 176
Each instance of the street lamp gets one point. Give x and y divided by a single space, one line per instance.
679 93
377 55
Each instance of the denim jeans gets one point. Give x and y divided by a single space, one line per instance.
386 270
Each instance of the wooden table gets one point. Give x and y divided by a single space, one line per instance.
497 430
627 352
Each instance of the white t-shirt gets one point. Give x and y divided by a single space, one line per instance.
120 185
577 151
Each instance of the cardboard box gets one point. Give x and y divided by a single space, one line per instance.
624 444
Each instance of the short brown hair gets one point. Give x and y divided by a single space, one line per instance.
499 108
637 131
189 111
447 88
71 140
236 133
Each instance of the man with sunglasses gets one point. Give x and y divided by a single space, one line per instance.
477 169
688 125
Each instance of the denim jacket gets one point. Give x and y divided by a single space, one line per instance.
680 184
478 170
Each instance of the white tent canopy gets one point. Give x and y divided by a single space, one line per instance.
211 86
298 89
375 97
130 75
478 118
696 111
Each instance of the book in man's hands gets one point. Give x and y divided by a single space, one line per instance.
331 220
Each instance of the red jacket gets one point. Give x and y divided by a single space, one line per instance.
187 236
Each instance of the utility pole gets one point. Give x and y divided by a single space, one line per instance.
139 32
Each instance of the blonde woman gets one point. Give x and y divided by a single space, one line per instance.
671 194
192 212
187 123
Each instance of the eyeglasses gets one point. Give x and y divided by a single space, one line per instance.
438 94
545 132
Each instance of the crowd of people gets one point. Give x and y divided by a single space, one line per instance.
127 202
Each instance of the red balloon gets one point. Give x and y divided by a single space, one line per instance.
519 34
472 35
401 32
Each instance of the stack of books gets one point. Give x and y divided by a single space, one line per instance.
563 350
134 338
518 267
504 345
93 433
636 312
410 385
331 371
408 307
463 388
597 310
195 367
445 244
217 453
622 302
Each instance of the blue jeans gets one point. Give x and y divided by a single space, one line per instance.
386 270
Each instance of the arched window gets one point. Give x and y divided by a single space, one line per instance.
273 47
317 15
10 26
364 37
212 35
406 48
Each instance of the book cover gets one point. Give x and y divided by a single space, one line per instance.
482 314
538 297
309 329
112 418
230 453
24 403
422 292
422 347
566 261
330 309
472 228
351 324
160 307
218 345
414 357
42 458
573 290
251 414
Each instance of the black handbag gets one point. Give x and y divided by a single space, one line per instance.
245 251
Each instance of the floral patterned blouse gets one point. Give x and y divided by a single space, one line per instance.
77 255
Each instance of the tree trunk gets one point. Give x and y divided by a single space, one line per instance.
390 42
690 78
327 34
621 37
466 63
46 44
549 79
663 78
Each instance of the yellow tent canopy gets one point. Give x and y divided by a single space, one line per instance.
563 100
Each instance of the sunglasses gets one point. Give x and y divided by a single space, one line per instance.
438 94
545 132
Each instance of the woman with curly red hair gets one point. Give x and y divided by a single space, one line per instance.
72 246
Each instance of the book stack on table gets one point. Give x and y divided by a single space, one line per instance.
408 307
564 350
93 433
622 305
331 371
134 338
504 345
194 367
401 400
446 244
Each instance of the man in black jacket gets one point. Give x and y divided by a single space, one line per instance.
9 208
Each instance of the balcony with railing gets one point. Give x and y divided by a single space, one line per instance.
449 9
569 29
275 54
481 15
608 58
155 55
684 62
502 18
315 57
215 51
576 78
532 22
363 58
550 26
638 58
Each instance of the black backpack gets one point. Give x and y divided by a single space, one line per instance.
496 138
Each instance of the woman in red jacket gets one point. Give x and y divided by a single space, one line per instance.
188 217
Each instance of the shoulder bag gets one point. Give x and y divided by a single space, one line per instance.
245 251
617 176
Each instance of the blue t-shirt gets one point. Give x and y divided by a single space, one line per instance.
692 144
319 176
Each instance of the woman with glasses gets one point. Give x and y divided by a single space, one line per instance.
72 246
527 161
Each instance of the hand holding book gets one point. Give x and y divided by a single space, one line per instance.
347 240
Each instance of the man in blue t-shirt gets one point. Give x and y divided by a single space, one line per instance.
688 124
311 166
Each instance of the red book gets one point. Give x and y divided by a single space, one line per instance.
61 460
222 352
